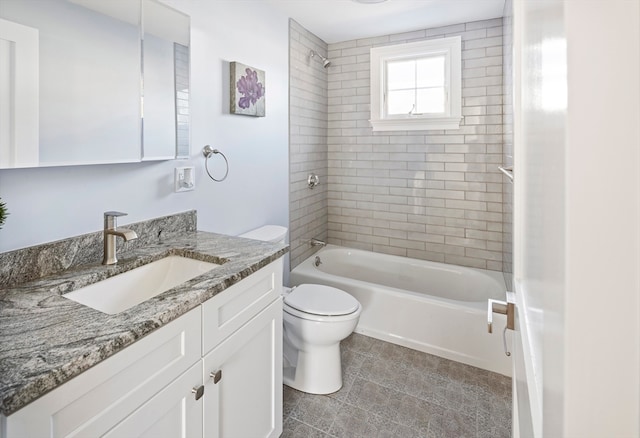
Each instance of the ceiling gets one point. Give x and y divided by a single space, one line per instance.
342 20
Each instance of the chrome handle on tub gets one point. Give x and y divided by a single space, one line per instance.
504 342
503 307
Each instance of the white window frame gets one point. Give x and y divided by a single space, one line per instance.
451 48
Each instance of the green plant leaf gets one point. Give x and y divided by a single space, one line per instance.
3 213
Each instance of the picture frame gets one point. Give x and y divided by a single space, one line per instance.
247 90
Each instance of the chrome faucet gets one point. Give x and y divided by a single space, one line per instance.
111 231
317 242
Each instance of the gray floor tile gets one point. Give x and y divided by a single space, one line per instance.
452 424
290 399
356 422
316 411
370 396
393 391
295 429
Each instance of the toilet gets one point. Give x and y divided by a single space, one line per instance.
315 319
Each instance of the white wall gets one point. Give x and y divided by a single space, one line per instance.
539 219
602 301
48 204
577 214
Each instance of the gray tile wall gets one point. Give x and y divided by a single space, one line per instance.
434 195
307 142
507 140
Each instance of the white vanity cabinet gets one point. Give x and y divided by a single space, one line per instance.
94 402
243 380
172 413
160 386
242 363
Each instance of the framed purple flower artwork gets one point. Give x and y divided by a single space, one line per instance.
247 90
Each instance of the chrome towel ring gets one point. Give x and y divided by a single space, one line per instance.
208 151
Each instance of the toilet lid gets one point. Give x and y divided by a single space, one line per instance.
321 300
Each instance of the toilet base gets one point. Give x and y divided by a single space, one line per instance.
318 371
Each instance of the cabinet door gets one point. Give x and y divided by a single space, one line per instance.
226 312
172 413
247 399
94 402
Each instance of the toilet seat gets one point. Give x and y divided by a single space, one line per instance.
319 318
321 300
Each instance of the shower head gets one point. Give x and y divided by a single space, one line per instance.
325 62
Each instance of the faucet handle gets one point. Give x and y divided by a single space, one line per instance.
114 214
110 221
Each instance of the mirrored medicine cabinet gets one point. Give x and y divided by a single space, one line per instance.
92 82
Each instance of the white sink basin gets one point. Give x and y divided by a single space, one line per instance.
123 291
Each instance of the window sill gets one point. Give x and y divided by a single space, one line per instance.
416 124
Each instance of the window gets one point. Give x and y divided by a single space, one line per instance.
417 86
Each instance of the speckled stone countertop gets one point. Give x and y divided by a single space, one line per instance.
46 339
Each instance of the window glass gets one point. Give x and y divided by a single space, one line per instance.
401 102
430 100
416 86
430 72
401 75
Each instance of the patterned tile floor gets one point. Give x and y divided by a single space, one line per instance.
393 391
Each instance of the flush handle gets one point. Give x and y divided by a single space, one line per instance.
216 376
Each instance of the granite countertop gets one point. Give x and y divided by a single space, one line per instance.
46 339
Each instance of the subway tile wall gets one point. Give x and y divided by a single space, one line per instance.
308 210
507 140
434 195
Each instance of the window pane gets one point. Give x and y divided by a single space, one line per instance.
431 100
430 72
401 75
400 102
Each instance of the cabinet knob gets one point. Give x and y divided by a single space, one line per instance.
216 376
199 391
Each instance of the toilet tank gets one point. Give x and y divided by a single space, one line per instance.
268 233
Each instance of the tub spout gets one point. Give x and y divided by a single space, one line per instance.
317 242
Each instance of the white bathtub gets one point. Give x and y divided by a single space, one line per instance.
432 307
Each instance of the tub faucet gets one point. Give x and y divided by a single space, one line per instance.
111 231
317 242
